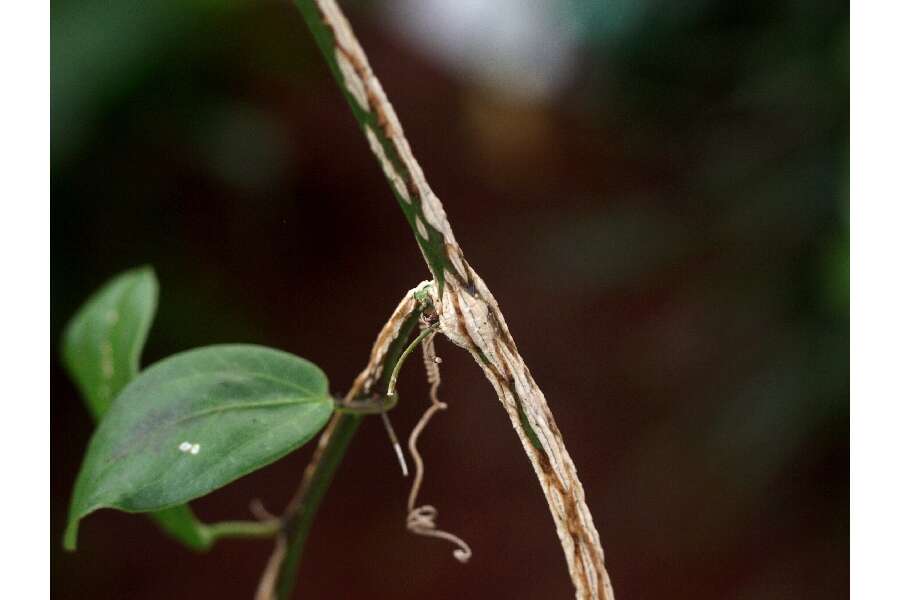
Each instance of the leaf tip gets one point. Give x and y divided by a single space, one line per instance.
145 271
70 539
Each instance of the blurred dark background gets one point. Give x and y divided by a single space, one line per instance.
656 192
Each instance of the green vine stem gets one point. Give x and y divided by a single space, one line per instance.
212 532
370 386
302 510
467 311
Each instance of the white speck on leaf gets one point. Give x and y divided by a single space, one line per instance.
195 449
184 446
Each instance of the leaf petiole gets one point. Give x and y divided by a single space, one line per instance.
240 529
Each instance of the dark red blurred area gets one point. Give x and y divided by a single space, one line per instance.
666 234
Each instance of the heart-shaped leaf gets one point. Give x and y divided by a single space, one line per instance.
196 421
103 342
102 347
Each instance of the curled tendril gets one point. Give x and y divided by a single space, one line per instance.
421 520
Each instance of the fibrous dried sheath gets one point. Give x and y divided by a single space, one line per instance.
469 314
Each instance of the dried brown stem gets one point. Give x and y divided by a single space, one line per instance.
468 313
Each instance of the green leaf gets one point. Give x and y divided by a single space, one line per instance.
101 350
193 423
103 342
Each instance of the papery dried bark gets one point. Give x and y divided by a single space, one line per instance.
469 314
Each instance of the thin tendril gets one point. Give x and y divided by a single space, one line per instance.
421 520
392 384
395 443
